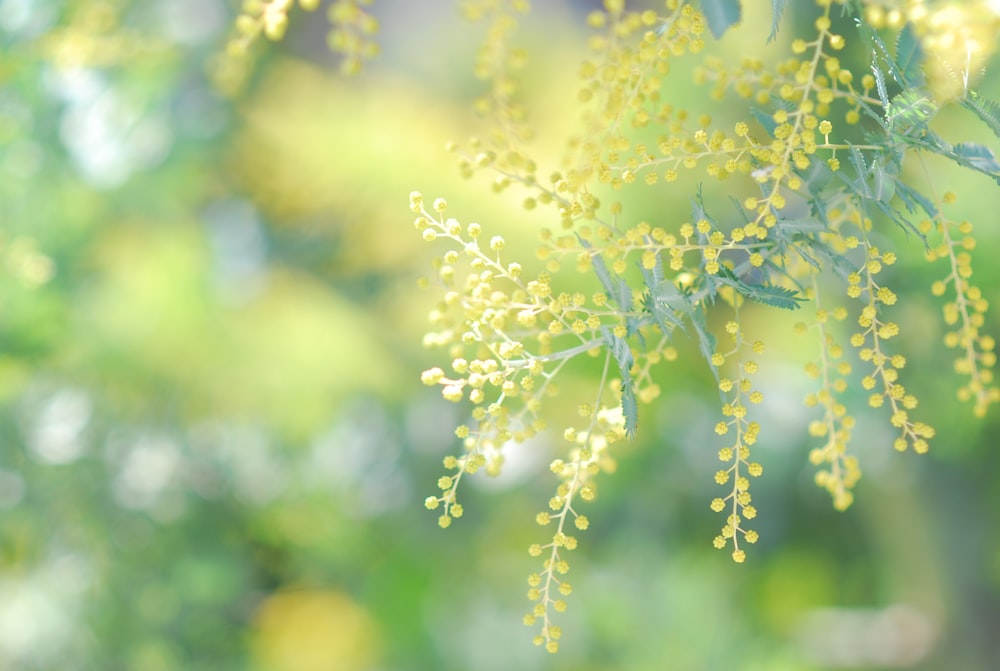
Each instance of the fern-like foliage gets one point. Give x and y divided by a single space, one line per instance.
986 109
777 11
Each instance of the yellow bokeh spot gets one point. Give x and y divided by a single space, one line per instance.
313 630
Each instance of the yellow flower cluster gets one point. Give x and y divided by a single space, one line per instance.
508 338
740 393
588 458
621 95
841 470
258 17
883 381
958 37
510 333
804 88
964 314
622 84
93 35
351 35
498 63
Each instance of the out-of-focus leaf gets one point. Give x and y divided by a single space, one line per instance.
777 11
617 288
624 358
909 57
721 15
978 156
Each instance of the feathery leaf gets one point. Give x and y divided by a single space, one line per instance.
617 291
721 15
623 356
777 11
986 109
909 56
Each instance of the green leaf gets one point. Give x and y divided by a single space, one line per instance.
883 184
896 216
909 56
630 409
720 14
777 297
668 294
974 156
658 302
802 225
876 183
910 109
652 276
911 198
880 55
977 156
859 186
600 268
777 10
706 341
817 177
880 86
618 291
623 356
986 109
727 275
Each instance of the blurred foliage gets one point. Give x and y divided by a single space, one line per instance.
215 445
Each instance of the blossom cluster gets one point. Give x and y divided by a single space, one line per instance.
964 313
811 195
351 35
739 394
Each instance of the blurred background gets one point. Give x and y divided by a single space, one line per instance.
214 445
